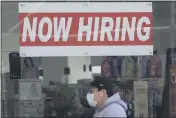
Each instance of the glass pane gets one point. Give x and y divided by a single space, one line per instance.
51 92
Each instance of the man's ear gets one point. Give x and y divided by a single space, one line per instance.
104 91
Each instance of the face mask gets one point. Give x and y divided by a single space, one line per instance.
90 100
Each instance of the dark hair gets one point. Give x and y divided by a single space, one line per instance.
25 62
109 93
109 87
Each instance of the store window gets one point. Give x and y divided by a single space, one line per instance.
53 86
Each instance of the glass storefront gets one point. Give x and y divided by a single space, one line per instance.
53 94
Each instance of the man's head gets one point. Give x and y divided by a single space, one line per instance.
101 88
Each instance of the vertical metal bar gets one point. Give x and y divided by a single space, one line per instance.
172 25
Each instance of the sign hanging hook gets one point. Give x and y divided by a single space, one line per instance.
86 2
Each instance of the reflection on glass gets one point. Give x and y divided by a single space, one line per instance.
30 71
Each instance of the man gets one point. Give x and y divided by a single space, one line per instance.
102 98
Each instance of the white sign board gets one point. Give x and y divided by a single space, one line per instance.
30 89
85 29
141 99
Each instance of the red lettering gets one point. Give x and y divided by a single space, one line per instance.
85 30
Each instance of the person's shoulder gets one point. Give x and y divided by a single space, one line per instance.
115 110
116 106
